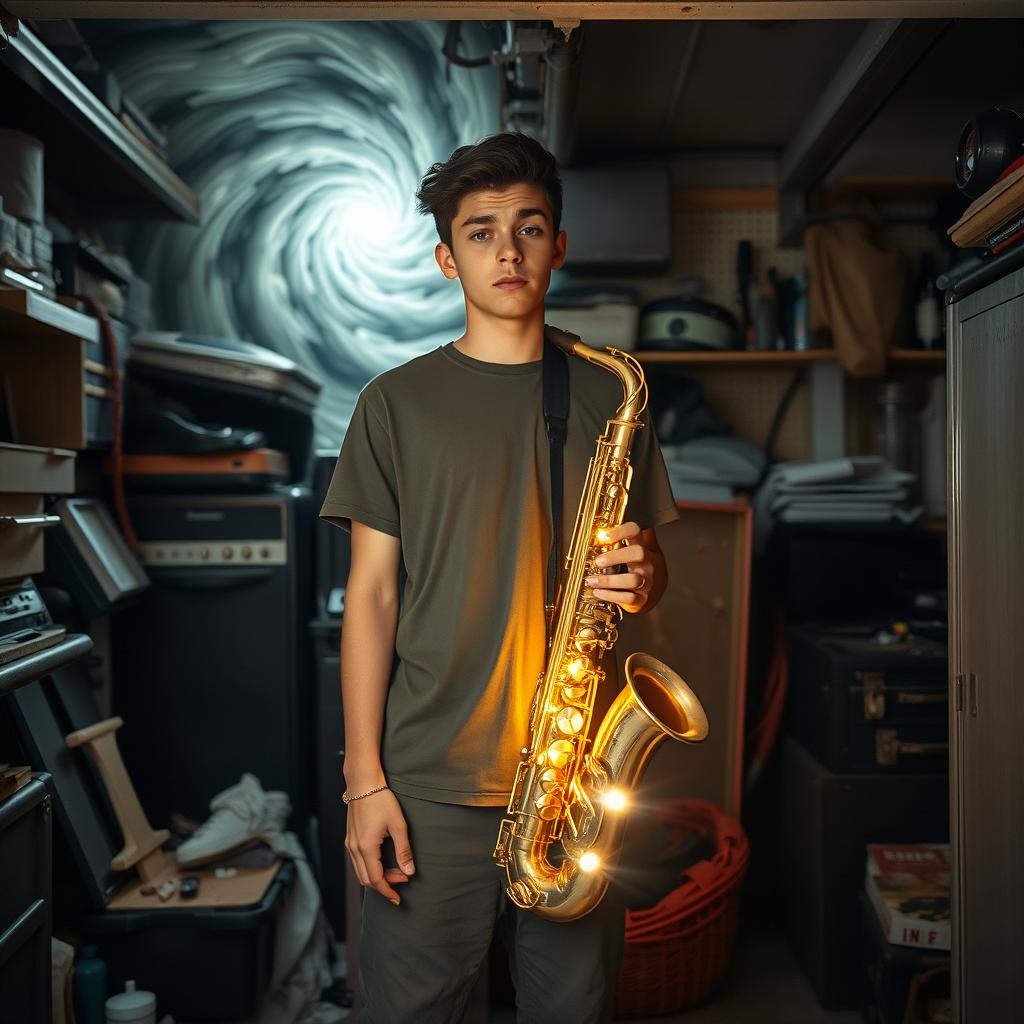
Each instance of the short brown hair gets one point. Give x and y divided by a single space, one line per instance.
496 162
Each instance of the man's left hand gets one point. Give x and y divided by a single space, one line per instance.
631 586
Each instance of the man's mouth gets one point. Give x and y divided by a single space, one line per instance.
510 283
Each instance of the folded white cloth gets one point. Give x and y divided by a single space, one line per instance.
240 814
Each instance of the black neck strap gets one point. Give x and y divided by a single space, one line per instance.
556 416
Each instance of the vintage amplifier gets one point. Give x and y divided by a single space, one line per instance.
863 698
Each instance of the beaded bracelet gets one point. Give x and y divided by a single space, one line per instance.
348 799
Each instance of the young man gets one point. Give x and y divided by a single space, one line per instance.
445 468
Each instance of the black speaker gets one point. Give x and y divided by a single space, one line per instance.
212 669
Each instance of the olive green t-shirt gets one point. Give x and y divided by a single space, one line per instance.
450 454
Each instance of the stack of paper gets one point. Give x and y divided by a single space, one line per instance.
709 468
856 489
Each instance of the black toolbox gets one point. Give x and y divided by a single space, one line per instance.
864 703
895 976
25 904
825 821
203 963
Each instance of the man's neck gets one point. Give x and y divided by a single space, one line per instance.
504 341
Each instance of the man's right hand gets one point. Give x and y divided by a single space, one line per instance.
370 821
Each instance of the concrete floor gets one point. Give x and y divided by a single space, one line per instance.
765 986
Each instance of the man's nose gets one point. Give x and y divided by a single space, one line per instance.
510 251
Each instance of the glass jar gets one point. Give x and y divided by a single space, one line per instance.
898 432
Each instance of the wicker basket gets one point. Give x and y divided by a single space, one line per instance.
678 951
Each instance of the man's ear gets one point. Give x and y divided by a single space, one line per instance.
446 261
561 247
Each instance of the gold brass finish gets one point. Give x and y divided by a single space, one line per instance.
564 775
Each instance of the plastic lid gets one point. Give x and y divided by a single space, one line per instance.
130 1005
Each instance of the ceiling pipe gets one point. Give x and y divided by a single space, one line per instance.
562 64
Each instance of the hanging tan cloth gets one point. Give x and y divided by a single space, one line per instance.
856 294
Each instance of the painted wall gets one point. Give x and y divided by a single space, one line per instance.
305 143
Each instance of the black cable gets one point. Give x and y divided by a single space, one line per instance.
451 46
776 422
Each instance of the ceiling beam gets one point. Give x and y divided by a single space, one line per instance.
881 58
487 10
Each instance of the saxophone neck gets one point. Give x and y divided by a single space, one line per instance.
630 374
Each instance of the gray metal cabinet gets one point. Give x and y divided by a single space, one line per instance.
986 586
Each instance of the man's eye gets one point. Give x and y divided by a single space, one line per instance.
475 233
533 227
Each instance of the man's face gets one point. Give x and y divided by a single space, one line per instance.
503 234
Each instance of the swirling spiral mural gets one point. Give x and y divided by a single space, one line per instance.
306 143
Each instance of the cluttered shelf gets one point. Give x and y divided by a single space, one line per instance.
94 153
28 313
743 358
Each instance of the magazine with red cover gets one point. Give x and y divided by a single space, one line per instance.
909 888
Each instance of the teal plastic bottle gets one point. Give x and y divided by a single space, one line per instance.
89 988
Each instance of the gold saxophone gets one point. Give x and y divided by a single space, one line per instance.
569 790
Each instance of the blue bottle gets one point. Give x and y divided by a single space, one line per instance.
801 321
90 988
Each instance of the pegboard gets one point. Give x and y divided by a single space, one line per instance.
707 242
745 398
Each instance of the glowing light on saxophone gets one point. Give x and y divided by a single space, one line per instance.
566 780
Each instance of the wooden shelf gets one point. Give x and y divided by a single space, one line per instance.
917 355
90 154
885 188
27 313
736 358
814 355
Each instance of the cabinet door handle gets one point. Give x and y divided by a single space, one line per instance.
958 691
972 694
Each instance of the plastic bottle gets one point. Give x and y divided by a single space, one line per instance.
89 987
131 1006
801 325
928 312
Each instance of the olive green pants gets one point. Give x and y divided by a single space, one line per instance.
418 961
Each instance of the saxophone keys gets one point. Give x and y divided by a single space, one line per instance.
548 806
579 668
551 780
559 753
569 720
573 691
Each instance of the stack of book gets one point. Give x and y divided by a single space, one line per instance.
908 886
995 220
12 778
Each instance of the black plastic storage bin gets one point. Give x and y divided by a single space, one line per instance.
203 964
25 903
